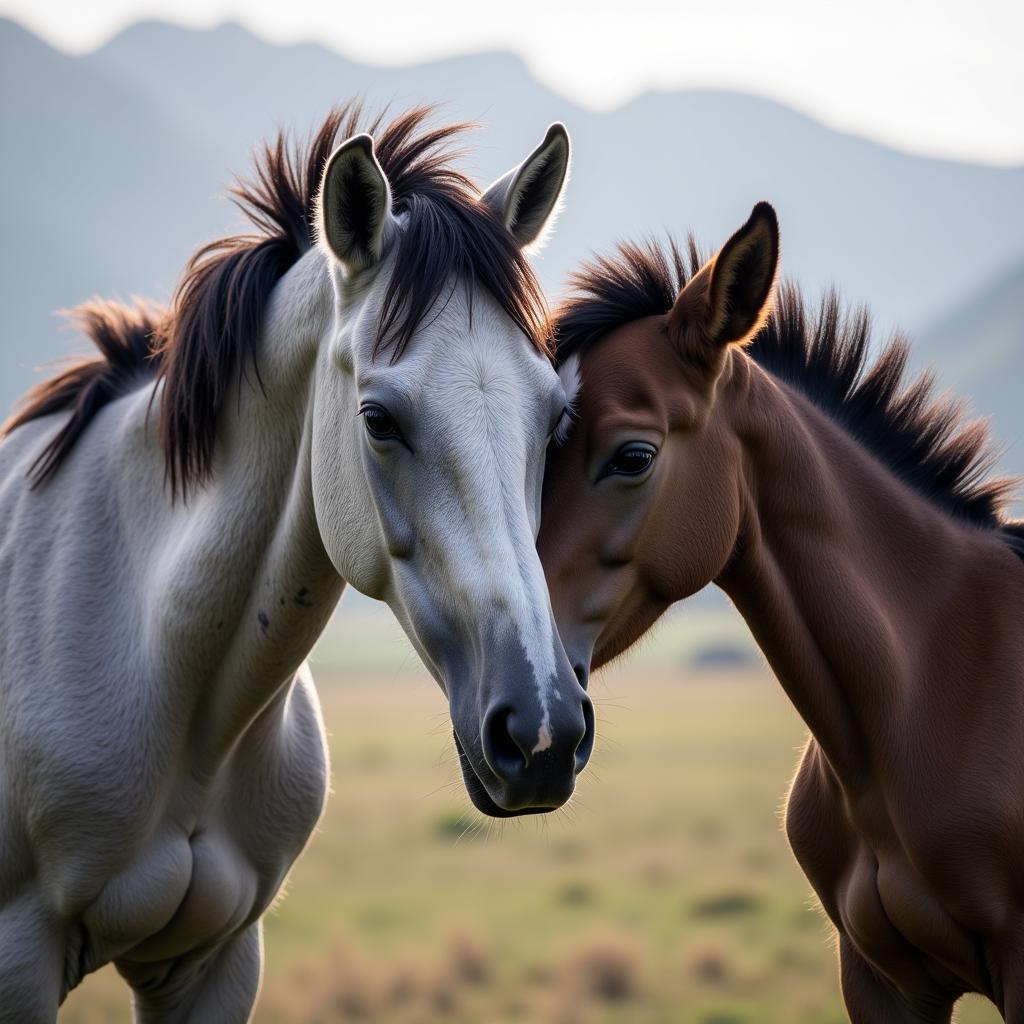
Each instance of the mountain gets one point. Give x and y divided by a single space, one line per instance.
116 163
885 225
100 195
979 346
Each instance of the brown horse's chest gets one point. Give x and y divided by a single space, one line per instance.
869 887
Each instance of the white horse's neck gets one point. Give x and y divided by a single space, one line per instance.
262 586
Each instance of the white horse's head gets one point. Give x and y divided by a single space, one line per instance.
435 398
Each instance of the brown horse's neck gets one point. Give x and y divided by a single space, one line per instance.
871 604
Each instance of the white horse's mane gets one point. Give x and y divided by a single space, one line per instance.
208 337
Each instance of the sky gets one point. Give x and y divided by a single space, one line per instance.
938 77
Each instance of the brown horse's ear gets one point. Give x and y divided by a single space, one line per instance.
729 300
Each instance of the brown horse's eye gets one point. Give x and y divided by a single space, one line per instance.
631 459
379 422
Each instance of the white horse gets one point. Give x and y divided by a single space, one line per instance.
361 392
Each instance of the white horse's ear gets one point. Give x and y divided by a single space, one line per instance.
354 213
527 199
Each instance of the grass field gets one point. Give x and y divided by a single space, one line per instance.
665 893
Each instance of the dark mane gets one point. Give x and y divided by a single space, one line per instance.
209 338
640 280
126 339
825 354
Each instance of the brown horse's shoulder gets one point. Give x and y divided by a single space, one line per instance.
819 833
886 888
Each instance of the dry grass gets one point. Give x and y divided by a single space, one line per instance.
664 895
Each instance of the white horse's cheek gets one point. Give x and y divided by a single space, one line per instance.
345 511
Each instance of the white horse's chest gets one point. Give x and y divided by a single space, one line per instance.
196 882
178 893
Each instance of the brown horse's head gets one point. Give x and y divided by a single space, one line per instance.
642 499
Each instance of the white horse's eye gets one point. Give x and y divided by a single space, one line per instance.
379 422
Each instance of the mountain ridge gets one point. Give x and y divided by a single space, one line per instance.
120 159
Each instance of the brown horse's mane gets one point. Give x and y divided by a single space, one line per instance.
209 335
924 438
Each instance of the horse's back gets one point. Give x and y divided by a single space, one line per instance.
75 703
64 546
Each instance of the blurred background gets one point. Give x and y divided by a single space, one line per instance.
888 136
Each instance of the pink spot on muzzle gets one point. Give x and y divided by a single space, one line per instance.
543 740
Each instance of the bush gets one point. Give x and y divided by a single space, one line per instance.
727 904
604 968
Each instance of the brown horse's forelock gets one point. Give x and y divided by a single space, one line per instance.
640 280
201 349
925 439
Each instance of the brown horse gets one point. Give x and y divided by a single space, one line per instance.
848 517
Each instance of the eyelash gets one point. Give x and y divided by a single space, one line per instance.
630 447
368 411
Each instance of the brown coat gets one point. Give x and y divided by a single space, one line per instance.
848 519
